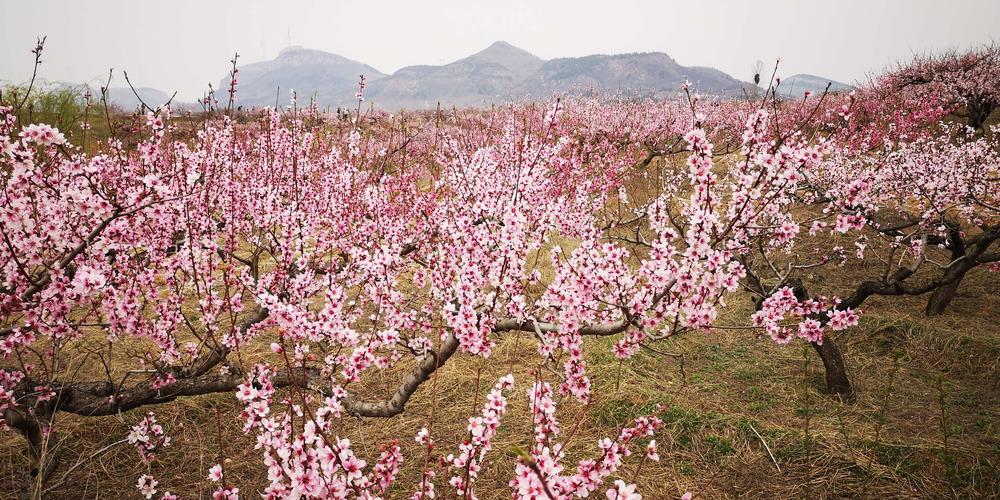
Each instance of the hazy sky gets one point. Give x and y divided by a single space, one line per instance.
184 45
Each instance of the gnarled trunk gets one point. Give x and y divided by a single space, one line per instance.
979 112
942 297
837 382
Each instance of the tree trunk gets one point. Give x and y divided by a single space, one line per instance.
953 274
837 382
42 449
979 112
943 295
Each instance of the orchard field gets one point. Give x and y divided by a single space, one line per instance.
788 297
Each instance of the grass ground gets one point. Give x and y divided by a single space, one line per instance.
925 423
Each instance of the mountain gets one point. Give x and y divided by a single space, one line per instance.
497 74
796 85
328 77
519 61
649 73
124 98
484 77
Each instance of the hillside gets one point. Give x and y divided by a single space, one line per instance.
307 71
497 74
796 85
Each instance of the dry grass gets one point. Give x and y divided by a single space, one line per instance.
734 384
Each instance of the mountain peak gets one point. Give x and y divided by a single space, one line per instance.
304 54
501 44
501 47
795 85
310 72
515 59
290 49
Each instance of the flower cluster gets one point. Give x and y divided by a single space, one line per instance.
812 315
482 429
148 436
311 463
540 473
43 135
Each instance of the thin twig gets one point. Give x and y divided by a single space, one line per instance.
766 447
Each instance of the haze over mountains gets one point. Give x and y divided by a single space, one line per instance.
123 97
796 85
311 73
493 75
498 74
126 99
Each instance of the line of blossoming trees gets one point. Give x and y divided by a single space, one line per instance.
154 271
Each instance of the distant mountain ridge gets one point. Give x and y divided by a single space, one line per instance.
486 76
122 97
797 85
648 73
309 72
126 99
497 74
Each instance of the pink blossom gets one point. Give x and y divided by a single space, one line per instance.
215 473
147 486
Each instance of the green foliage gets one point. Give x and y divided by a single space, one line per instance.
619 412
721 444
759 399
61 106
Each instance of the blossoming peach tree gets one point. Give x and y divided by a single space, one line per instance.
156 268
291 265
906 194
